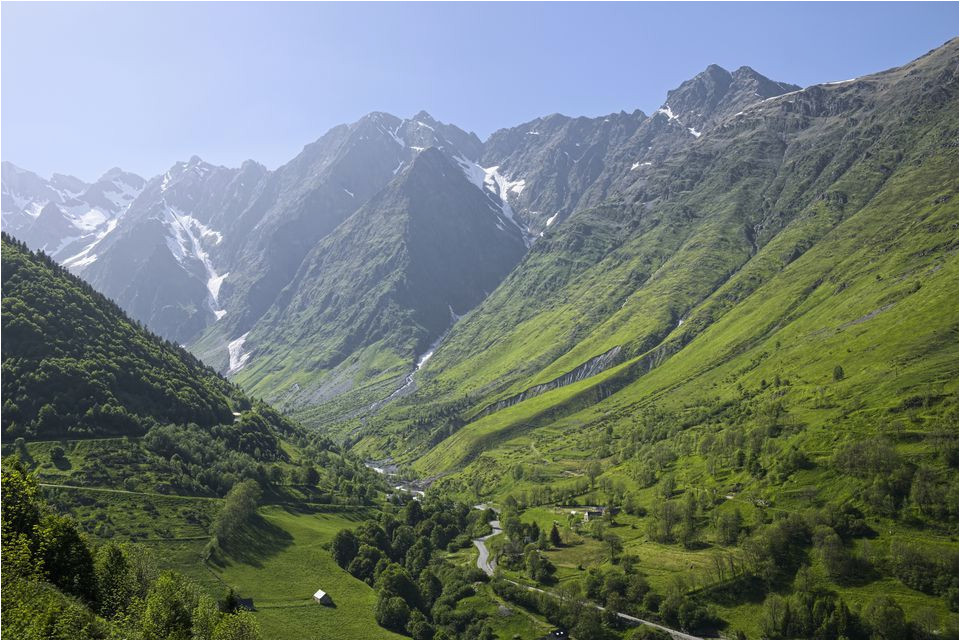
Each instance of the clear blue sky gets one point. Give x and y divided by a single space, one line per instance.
86 86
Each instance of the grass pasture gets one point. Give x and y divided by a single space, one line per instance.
284 560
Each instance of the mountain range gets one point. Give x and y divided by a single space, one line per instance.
565 245
358 253
695 369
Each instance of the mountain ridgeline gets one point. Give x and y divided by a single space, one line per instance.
231 262
699 238
407 259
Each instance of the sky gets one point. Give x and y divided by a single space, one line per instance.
88 86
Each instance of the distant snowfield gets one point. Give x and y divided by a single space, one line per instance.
238 358
491 182
91 221
186 243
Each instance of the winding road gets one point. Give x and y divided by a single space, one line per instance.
485 562
489 565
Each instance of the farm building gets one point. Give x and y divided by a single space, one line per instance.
322 597
598 512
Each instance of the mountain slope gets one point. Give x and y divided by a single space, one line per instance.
554 161
166 261
779 433
306 199
683 247
203 251
384 285
567 164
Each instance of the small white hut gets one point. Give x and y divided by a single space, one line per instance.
322 597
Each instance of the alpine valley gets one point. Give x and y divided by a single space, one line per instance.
685 374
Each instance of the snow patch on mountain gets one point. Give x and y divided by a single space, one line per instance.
84 218
186 242
124 195
86 255
213 285
82 262
668 113
80 205
492 183
397 139
238 358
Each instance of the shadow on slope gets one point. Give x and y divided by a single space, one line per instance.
251 544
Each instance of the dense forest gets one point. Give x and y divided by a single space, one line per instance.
75 365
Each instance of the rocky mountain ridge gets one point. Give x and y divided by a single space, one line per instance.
212 256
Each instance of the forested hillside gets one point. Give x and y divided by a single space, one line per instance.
75 365
57 586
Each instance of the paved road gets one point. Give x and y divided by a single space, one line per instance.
484 561
676 634
489 565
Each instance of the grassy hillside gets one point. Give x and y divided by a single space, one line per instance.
834 384
687 244
284 560
781 421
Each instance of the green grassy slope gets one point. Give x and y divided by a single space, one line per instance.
767 188
760 384
884 310
838 304
288 559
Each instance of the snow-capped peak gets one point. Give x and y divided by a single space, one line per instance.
665 109
76 215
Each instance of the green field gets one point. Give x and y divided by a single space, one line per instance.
279 563
287 561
